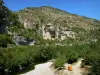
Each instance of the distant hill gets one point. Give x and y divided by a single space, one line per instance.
48 14
54 23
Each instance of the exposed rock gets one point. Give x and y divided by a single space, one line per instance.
50 32
19 40
29 24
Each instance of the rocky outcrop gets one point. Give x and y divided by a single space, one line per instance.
50 32
19 40
29 24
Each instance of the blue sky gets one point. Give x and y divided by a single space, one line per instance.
89 8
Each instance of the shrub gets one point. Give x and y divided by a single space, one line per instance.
95 70
5 40
44 53
60 61
13 58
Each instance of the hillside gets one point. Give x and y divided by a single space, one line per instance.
52 23
58 17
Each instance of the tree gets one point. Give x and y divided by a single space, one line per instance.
13 19
95 70
1 2
4 15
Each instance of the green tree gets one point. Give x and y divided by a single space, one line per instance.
13 19
1 2
95 70
4 15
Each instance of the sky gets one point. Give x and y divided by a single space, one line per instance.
88 8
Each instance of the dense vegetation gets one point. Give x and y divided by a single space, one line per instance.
15 57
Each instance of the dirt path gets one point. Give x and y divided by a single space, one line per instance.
41 69
76 69
44 69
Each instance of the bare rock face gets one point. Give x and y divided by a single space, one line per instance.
50 32
29 24
19 40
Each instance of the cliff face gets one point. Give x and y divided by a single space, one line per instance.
51 32
53 23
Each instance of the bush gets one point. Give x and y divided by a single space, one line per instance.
44 53
95 70
13 58
5 40
60 61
